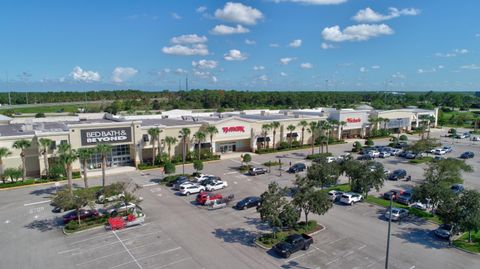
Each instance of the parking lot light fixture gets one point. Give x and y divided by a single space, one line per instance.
388 234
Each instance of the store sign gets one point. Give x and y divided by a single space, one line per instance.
353 120
107 135
233 129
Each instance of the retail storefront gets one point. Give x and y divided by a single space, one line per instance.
233 135
355 123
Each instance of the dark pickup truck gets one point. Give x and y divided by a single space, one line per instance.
292 244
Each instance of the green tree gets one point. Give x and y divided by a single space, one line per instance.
290 128
40 115
273 201
265 129
4 153
45 144
369 142
169 168
13 173
469 204
198 165
67 158
154 133
211 130
289 216
22 145
312 128
403 138
310 200
66 199
185 134
275 125
170 140
104 150
323 174
304 124
357 146
363 176
84 154
199 137
453 134
246 158
424 145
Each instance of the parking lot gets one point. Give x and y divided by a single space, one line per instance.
180 234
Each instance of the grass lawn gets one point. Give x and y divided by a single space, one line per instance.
16 184
268 240
421 160
54 108
341 187
462 242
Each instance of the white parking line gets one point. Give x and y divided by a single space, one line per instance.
348 253
175 262
128 251
37 203
149 184
146 257
332 261
362 247
230 173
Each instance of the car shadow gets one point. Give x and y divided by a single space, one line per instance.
156 180
290 264
45 191
236 235
45 224
257 222
421 236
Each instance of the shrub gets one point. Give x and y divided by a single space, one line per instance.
169 168
271 163
319 155
403 138
13 173
246 158
296 144
40 115
357 146
56 171
369 142
198 165
284 145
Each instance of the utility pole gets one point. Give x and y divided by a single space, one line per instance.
186 83
26 97
388 236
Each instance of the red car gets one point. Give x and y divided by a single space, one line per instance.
84 214
206 198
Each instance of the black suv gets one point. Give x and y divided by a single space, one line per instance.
298 167
467 155
248 202
397 174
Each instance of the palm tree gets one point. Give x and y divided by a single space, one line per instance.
84 155
476 119
22 145
45 145
274 125
170 140
341 125
154 132
304 124
290 128
327 126
103 150
321 141
374 120
185 133
67 157
425 123
265 129
200 137
312 128
4 152
385 122
211 131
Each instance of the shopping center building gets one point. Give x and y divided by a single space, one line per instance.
239 131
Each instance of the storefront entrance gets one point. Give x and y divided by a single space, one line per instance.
120 156
226 148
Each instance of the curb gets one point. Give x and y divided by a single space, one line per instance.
85 230
466 251
316 232
267 248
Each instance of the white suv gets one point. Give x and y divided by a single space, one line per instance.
350 198
216 185
188 189
202 177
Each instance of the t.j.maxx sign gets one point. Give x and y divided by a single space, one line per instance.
107 135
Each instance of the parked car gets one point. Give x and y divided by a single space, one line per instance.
460 136
405 198
384 154
440 151
448 149
335 195
248 202
202 177
410 155
216 185
179 181
84 214
467 155
392 193
206 198
350 198
444 231
257 171
438 158
374 154
344 156
365 157
101 198
466 135
420 206
119 207
397 213
457 188
191 189
476 138
331 159
397 174
298 167
395 152
292 244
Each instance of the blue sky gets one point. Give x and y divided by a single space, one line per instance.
243 45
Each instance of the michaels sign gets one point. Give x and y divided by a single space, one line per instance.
110 135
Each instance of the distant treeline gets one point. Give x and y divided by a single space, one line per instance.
215 99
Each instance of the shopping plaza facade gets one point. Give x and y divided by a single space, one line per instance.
239 131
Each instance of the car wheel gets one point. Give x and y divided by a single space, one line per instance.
187 194
306 247
245 207
287 254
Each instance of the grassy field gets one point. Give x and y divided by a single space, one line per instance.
54 108
462 242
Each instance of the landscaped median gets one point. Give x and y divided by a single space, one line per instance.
73 226
268 240
33 181
463 244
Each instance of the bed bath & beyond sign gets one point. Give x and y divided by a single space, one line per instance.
110 135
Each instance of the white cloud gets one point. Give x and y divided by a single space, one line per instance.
202 74
195 49
399 75
363 69
274 45
306 66
360 32
295 43
259 67
180 71
440 67
228 30
234 55
201 9
375 67
283 74
423 71
188 39
314 2
460 51
370 15
205 64
250 42
286 60
176 16
79 74
239 13
327 46
263 78
453 53
214 79
121 74
470 67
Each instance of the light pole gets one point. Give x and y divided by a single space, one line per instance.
388 235
280 162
